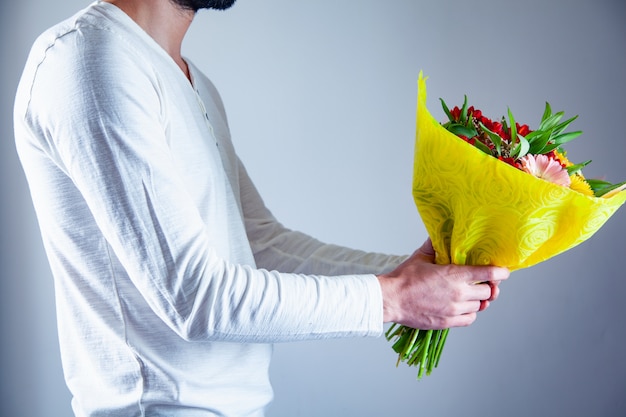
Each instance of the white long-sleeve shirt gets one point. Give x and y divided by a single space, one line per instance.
166 261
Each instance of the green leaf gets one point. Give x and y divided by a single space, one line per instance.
461 130
562 126
534 134
602 191
495 138
464 110
549 147
538 141
577 167
551 122
482 147
524 146
505 125
446 110
566 137
547 112
521 148
596 184
513 133
512 126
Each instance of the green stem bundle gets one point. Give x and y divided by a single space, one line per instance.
421 348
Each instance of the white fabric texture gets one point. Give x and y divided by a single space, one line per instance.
172 278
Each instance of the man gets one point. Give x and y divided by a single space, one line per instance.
172 279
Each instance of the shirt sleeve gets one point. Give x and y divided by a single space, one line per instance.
98 115
277 247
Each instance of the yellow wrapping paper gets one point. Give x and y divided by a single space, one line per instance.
481 211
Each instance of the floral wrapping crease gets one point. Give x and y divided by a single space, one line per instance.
479 210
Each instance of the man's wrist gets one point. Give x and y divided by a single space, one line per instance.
386 288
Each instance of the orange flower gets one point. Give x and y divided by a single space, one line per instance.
561 157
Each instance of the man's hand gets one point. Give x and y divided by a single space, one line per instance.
423 295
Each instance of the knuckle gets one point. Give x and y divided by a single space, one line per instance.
445 323
456 294
494 274
451 310
457 310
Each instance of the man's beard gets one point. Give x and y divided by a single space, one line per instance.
195 5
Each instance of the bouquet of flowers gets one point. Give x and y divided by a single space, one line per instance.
473 174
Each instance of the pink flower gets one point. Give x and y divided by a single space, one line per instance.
545 168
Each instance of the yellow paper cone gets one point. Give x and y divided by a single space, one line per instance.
481 211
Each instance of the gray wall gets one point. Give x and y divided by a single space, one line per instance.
321 99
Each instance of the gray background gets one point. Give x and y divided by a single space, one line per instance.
321 100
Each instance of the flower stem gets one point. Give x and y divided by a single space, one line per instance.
421 348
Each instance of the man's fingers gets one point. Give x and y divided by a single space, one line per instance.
484 291
479 292
462 320
464 314
480 274
495 290
497 274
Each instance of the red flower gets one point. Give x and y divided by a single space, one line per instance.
495 127
523 129
510 161
475 113
471 141
456 113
